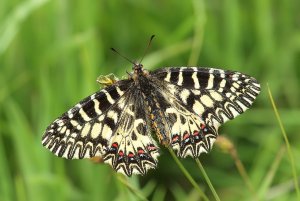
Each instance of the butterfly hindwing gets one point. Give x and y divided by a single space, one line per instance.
132 150
188 133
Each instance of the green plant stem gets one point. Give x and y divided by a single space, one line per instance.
207 180
122 179
290 154
188 176
199 27
267 181
241 169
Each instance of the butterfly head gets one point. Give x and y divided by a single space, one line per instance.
137 67
138 70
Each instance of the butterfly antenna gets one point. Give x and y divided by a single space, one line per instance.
146 50
114 50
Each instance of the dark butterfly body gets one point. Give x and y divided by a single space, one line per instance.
183 106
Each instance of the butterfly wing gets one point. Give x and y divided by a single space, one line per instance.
85 129
202 99
133 150
98 126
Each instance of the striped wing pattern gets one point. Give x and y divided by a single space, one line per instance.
183 106
85 129
201 100
132 150
110 124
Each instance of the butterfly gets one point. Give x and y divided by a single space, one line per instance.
177 107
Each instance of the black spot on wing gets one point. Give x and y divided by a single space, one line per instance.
182 119
187 79
76 117
203 78
174 77
89 109
191 100
133 136
109 122
228 85
114 93
104 104
142 129
172 118
217 80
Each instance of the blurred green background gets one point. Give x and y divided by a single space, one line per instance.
51 53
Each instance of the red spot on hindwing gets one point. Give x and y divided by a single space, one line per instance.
130 155
121 153
196 133
202 126
115 145
185 135
175 138
141 151
151 147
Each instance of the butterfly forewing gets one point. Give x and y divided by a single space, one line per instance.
183 106
209 91
84 130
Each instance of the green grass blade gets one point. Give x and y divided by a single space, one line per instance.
6 182
133 189
187 174
214 192
11 25
290 154
271 173
199 24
